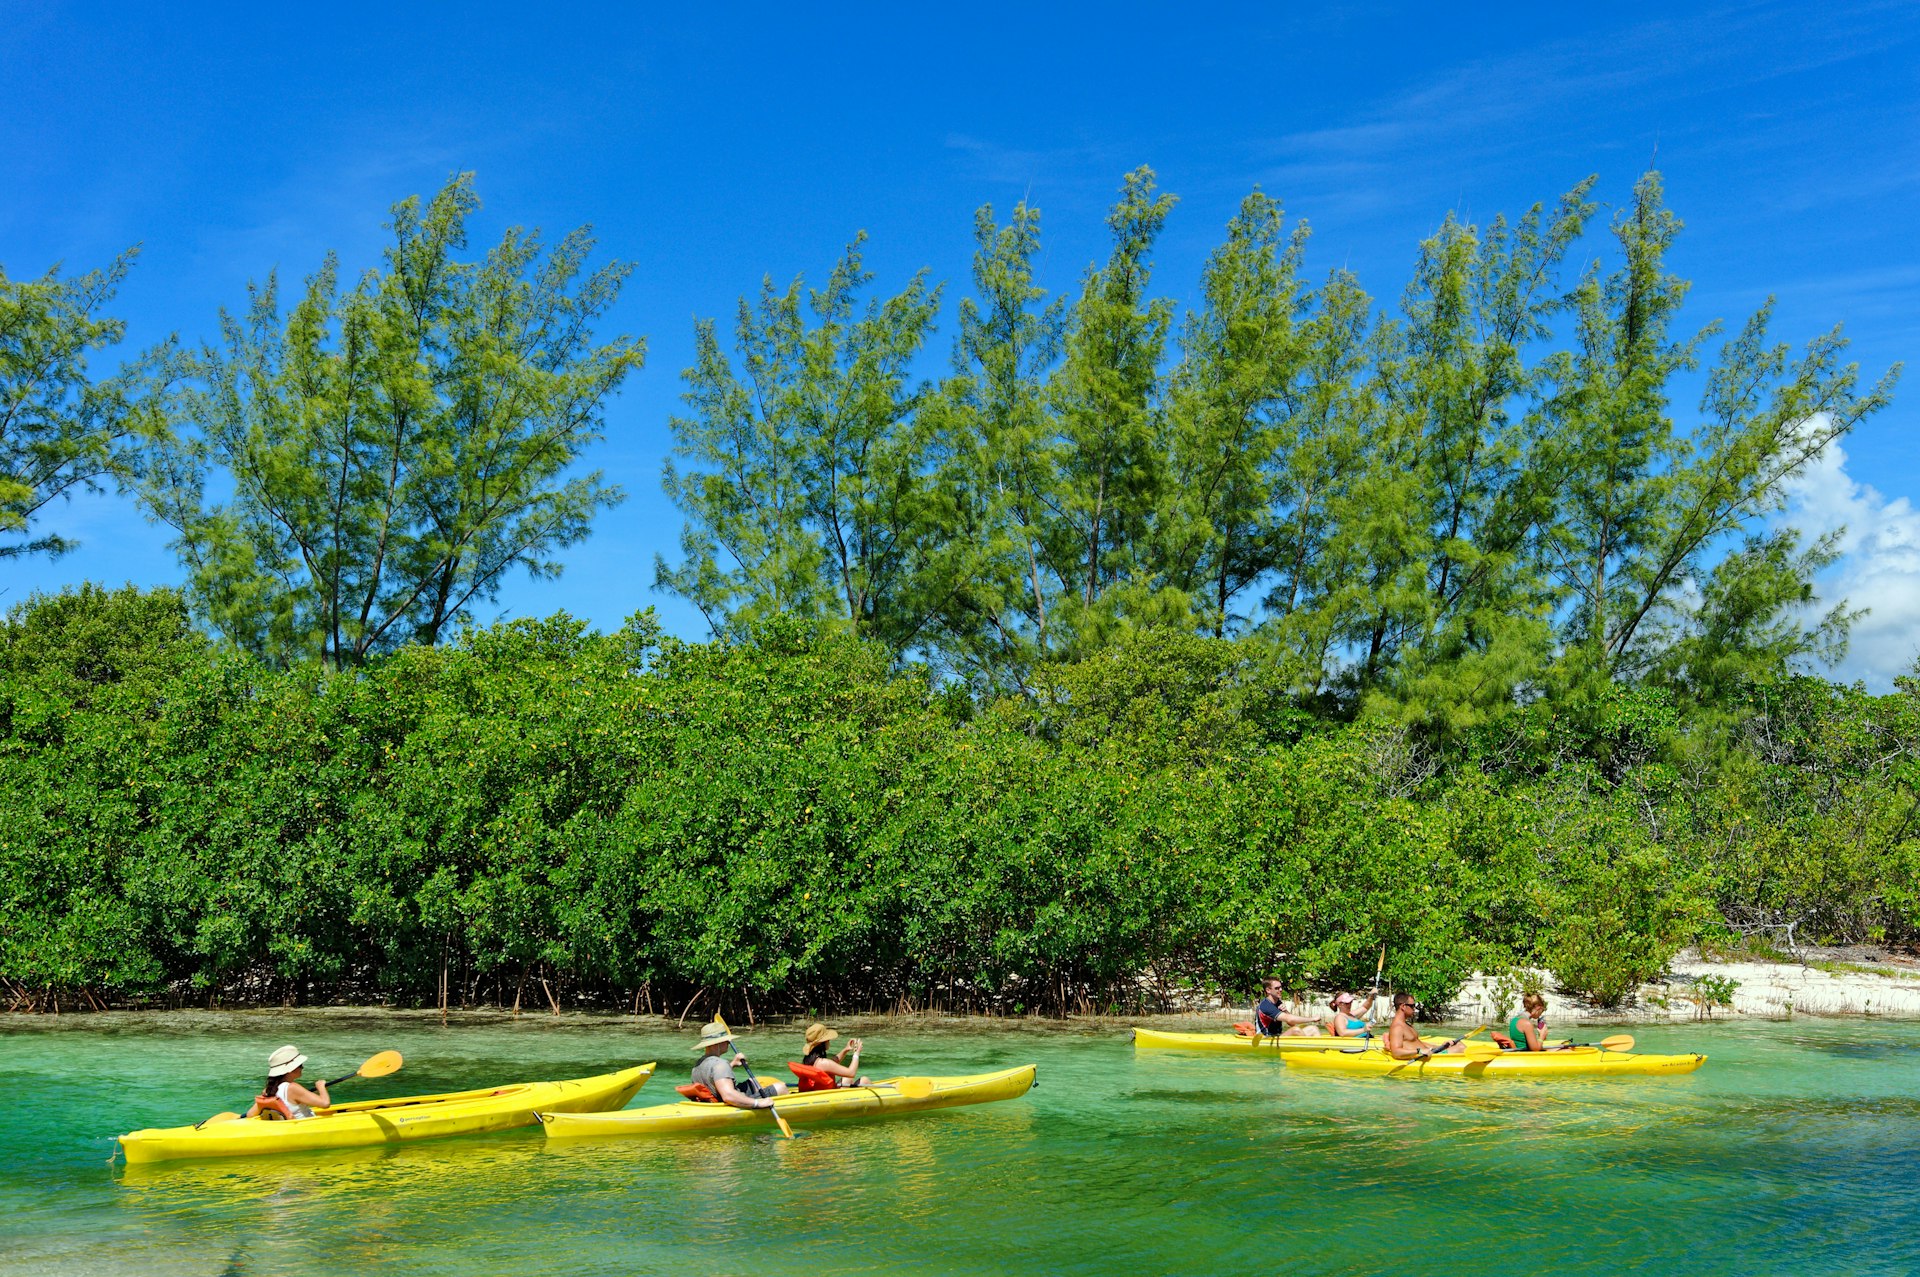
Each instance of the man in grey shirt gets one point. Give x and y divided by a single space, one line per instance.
715 1072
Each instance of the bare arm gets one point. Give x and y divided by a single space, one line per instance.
728 1093
312 1099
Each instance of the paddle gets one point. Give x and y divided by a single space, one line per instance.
1618 1042
771 1106
1424 1056
376 1066
379 1065
912 1088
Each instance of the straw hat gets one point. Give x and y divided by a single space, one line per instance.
818 1032
713 1035
284 1061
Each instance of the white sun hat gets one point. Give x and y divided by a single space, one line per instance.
284 1061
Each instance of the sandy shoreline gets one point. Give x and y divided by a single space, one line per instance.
1764 990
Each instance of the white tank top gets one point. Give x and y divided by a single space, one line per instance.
298 1110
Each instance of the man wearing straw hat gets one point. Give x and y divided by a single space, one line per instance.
715 1072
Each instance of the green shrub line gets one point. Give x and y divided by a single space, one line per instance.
796 821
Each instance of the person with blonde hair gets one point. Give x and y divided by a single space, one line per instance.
1528 1030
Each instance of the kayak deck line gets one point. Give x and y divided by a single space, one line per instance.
1578 1062
1167 1040
879 1100
370 1122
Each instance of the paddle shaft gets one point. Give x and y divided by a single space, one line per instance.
1424 1056
771 1107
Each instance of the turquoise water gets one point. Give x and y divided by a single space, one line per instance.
1795 1150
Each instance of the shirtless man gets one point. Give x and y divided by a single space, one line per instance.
1403 1040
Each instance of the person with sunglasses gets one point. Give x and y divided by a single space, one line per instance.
1403 1040
1270 1021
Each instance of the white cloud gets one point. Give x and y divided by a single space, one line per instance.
1879 567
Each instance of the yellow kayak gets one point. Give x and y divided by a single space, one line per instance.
805 1108
415 1117
1582 1061
1156 1039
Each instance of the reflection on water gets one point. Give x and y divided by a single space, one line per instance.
1792 1151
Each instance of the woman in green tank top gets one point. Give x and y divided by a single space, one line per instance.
1529 1029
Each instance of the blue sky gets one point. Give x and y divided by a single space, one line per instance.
711 148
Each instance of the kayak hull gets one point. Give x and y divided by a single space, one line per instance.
399 1120
1578 1062
803 1109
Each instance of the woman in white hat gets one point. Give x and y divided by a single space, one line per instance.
283 1096
715 1072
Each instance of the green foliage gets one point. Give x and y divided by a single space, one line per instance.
1714 991
789 819
1435 516
809 501
62 428
395 449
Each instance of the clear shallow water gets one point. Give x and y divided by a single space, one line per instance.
1796 1149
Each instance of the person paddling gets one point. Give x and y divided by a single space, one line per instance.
836 1065
715 1072
283 1097
1270 1021
1346 1022
1403 1040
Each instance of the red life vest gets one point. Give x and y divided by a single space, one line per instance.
811 1078
698 1092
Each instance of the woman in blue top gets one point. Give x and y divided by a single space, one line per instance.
1349 1018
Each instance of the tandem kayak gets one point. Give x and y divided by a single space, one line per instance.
1583 1061
1233 1042
413 1117
804 1108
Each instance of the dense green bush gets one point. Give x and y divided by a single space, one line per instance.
539 810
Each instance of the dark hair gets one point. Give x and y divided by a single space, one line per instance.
273 1084
1403 1000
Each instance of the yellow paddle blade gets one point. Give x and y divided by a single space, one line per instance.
784 1128
914 1088
382 1064
1618 1042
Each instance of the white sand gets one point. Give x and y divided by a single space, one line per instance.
1765 990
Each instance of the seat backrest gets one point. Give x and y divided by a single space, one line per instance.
811 1078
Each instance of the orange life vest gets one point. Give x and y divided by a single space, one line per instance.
698 1092
811 1078
272 1109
